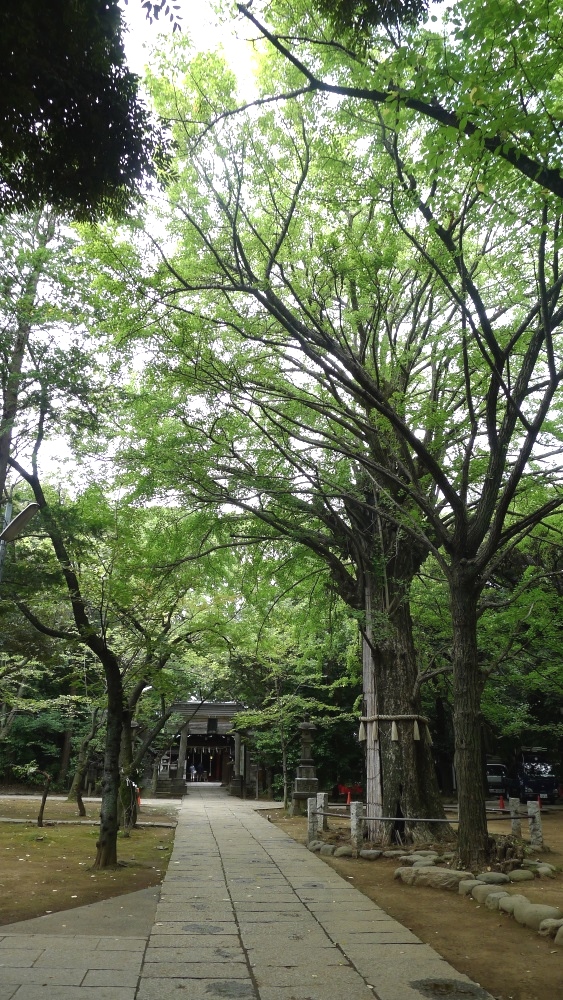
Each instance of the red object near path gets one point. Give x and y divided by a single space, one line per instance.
349 791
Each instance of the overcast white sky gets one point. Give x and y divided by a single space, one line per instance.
200 24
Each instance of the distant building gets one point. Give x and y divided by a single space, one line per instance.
205 748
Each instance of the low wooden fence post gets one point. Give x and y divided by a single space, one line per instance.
515 821
535 826
312 820
357 824
322 808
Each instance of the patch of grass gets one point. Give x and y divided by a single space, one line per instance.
49 869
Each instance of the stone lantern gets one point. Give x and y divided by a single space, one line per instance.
306 783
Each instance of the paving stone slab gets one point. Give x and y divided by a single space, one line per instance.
285 930
297 957
258 937
7 991
253 905
42 941
218 911
317 991
428 988
259 897
110 977
193 927
185 897
88 959
122 944
19 957
196 954
345 938
191 941
77 993
343 906
393 972
43 977
193 970
203 989
336 925
197 915
293 917
393 935
325 896
342 976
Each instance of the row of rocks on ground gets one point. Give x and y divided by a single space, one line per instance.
422 868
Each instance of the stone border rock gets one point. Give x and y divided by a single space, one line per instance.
547 920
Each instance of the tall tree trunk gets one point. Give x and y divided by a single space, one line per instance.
443 747
467 690
407 777
374 791
106 845
410 785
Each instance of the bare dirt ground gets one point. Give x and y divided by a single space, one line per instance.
48 869
58 809
510 961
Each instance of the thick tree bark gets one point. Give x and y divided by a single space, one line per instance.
467 690
106 845
443 744
374 791
409 782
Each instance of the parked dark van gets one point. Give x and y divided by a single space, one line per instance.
536 776
497 778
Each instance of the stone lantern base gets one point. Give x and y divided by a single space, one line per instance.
305 787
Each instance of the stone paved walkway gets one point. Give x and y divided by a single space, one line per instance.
245 913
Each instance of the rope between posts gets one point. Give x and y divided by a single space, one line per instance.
394 718
407 819
388 819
